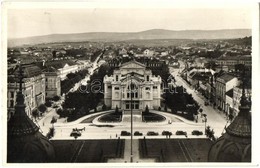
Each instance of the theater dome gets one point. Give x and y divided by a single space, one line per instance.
25 144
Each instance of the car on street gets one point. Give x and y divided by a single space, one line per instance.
75 133
152 133
166 133
181 132
125 133
197 132
137 133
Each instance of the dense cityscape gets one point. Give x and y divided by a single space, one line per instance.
133 86
190 92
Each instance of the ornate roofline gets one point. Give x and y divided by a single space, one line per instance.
132 61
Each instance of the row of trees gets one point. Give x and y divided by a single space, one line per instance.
79 103
181 103
96 54
39 111
72 114
72 79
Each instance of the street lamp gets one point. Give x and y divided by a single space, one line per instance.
131 156
205 120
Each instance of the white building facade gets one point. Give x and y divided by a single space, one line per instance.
132 84
33 89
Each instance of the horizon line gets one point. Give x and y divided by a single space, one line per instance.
13 38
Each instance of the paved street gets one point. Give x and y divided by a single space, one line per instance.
215 118
63 129
90 72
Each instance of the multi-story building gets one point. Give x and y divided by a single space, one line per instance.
132 81
231 61
148 53
33 88
64 67
52 82
233 99
223 84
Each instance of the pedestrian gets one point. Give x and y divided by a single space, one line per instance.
116 135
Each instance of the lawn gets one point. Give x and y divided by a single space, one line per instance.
175 150
87 151
152 117
110 118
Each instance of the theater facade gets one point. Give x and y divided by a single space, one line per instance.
132 84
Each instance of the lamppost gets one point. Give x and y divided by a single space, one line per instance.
131 91
205 120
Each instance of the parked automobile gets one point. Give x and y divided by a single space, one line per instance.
196 132
151 133
181 132
125 133
166 133
75 133
137 133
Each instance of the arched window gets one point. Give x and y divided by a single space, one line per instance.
132 91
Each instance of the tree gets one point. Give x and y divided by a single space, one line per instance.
165 108
54 54
48 103
42 108
53 120
104 107
71 76
35 113
51 133
210 133
56 98
116 110
146 109
60 112
231 117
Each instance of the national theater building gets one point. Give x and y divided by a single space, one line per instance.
132 81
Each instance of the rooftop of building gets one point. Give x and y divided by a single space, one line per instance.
29 71
60 63
226 77
238 57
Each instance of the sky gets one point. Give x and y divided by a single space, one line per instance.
36 22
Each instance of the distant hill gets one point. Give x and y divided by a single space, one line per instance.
144 35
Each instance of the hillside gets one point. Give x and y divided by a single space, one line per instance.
144 35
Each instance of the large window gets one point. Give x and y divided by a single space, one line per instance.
11 103
132 90
12 94
135 104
